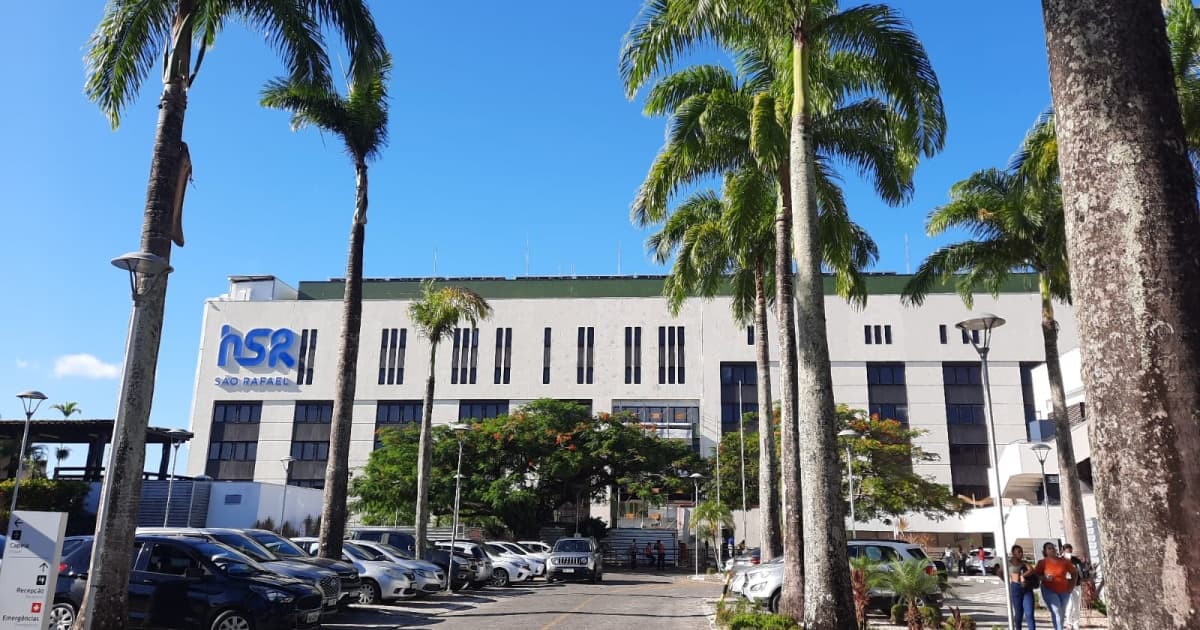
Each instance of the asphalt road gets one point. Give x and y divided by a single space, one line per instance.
623 600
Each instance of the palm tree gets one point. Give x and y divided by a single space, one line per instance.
60 455
1132 225
436 314
126 47
67 409
910 582
360 119
1016 224
708 519
863 70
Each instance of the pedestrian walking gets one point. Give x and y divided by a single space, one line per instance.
649 555
948 559
1082 573
633 551
962 560
1021 588
662 556
1058 578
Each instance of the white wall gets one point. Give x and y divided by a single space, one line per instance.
242 503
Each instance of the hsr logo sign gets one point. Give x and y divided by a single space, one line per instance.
249 351
258 346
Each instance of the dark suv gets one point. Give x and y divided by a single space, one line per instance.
395 537
192 584
326 580
284 548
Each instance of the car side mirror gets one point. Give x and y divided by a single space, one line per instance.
193 573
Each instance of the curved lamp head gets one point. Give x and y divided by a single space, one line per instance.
985 321
1041 451
179 435
695 476
849 433
31 399
142 264
460 428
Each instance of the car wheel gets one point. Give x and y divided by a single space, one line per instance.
368 593
62 615
773 603
232 620
499 577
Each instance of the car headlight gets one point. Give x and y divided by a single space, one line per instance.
273 595
426 574
758 587
549 560
754 575
395 573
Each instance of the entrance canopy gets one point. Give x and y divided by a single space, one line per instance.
96 434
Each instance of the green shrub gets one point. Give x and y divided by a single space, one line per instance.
50 495
931 617
761 621
1101 607
899 611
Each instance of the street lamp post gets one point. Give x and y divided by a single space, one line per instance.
981 339
287 472
460 430
696 477
177 437
850 434
30 401
1041 451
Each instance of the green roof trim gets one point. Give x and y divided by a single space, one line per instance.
592 287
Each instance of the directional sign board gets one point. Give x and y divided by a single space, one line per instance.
29 571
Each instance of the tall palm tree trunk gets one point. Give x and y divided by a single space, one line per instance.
425 456
1132 229
1070 495
827 593
791 601
106 599
337 469
768 476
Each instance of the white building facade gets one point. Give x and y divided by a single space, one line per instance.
267 370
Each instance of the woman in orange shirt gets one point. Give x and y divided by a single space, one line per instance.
1058 577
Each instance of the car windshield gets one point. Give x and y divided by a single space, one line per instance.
496 550
247 546
364 553
572 546
392 549
517 548
278 545
225 557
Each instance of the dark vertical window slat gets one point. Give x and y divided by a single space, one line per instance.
454 356
662 355
312 356
579 356
867 334
300 366
591 354
507 355
878 334
671 355
499 355
392 370
942 333
637 355
750 335
383 347
546 357
400 358
887 334
628 355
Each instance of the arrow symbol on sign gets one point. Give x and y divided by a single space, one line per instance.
43 567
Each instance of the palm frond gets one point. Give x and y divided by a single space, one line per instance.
669 92
122 51
352 19
295 34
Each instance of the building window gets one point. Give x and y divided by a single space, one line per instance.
482 409
398 412
877 334
739 394
887 396
233 451
317 484
966 431
310 451
313 412
233 499
675 422
237 412
308 356
503 356
546 357
633 355
969 468
972 337
964 414
585 355
942 333
961 374
392 345
670 355
750 335
465 359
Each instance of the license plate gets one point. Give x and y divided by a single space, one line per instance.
313 617
568 570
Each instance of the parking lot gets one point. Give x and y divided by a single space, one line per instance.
623 600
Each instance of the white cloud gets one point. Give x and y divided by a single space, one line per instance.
86 366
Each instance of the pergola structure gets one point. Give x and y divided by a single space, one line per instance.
95 434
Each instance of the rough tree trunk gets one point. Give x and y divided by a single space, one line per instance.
791 601
425 457
106 600
1070 495
337 469
768 474
1132 234
827 592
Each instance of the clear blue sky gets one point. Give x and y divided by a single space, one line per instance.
509 124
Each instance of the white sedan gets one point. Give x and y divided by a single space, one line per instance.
537 562
508 570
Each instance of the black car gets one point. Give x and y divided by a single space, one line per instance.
463 571
326 580
284 548
192 584
395 537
